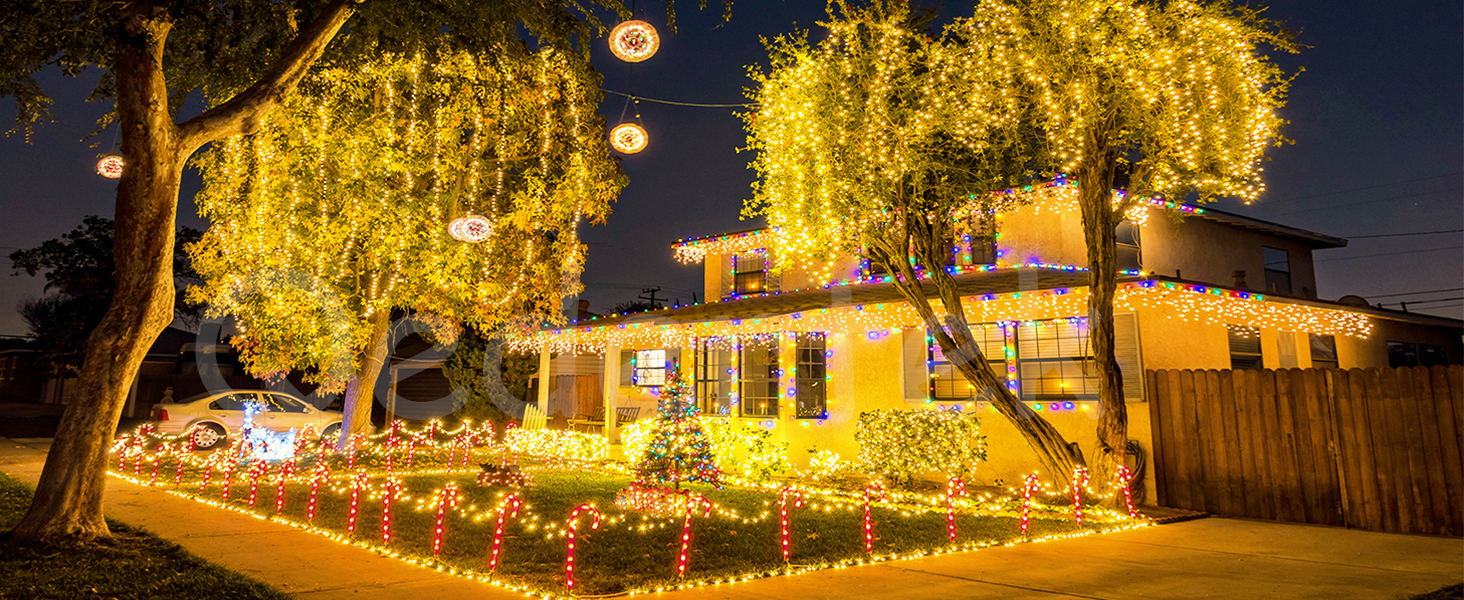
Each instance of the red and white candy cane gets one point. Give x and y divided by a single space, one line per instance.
357 482
783 495
1125 481
256 470
510 508
1080 480
693 503
1029 487
954 487
447 500
286 470
386 509
322 471
181 453
872 492
573 531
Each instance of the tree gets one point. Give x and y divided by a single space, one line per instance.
867 142
1174 100
78 270
371 164
493 380
155 53
678 448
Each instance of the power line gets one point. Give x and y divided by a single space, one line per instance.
675 103
1410 302
1391 253
1415 293
1370 187
1381 235
1297 212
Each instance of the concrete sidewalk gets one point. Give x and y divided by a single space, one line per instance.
1208 558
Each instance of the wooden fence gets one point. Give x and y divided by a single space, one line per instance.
1377 449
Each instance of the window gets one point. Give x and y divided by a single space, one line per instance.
650 368
1402 354
283 403
983 242
713 378
811 389
1323 351
947 384
1245 347
1432 356
1128 245
1278 270
759 378
233 402
749 273
1054 361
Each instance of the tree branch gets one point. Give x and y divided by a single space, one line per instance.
242 113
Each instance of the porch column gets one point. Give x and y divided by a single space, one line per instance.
610 383
544 381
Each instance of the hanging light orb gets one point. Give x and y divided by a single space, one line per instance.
471 229
110 167
634 41
628 138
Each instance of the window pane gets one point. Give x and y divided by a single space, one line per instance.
1402 354
713 378
650 368
1245 346
1323 351
759 378
810 392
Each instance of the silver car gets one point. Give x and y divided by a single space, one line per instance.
222 413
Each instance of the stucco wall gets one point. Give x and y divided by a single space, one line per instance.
1198 249
1042 235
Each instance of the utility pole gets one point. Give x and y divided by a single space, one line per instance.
649 295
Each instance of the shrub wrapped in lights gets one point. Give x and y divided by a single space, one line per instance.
901 444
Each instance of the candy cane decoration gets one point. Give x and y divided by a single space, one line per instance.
322 471
955 487
138 456
871 492
1080 479
693 502
452 453
351 452
178 477
208 465
286 470
411 450
229 464
123 453
510 508
783 514
573 530
357 482
157 459
255 472
1126 479
447 499
386 510
1029 485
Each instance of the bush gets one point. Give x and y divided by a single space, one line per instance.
900 444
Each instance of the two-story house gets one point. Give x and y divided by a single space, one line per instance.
803 355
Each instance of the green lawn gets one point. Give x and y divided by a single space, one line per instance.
132 564
631 550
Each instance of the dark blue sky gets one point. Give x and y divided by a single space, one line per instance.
1378 119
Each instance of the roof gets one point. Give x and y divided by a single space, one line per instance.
1316 241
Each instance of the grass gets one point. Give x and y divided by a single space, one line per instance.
630 550
131 564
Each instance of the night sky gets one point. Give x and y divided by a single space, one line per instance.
1378 119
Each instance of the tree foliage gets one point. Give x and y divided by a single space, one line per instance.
78 271
494 383
338 207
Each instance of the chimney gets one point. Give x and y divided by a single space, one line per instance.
584 305
1239 276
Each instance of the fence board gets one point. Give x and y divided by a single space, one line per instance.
1440 519
1283 473
1321 504
1187 427
1293 490
1209 479
1449 450
1163 448
1235 471
1259 438
1366 451
1418 462
1397 493
1289 380
1179 488
1345 437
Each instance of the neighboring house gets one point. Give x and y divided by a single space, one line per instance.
803 355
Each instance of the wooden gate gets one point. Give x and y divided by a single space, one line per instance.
1377 449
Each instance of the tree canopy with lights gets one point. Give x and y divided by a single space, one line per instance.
337 211
1132 100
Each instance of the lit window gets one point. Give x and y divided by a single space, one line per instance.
759 378
1055 362
713 377
1323 351
750 273
947 384
1245 347
650 368
811 397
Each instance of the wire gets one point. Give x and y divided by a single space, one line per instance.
1415 293
672 102
1297 212
1370 187
1427 301
1391 253
1358 237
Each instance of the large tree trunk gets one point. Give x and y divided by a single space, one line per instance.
360 392
68 500
953 333
1100 221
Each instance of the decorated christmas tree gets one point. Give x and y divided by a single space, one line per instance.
679 450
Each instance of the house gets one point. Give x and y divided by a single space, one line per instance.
803 354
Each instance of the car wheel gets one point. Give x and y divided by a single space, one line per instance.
331 432
208 436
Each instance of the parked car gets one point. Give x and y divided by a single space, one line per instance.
222 414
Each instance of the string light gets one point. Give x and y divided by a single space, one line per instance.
322 472
634 41
573 525
510 508
871 492
447 499
1125 483
1080 481
357 482
694 502
783 515
954 487
1029 486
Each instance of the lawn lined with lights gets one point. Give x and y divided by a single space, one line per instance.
736 534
